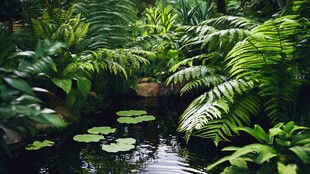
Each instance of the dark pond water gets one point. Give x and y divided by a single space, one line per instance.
159 148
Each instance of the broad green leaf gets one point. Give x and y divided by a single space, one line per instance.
128 120
265 154
284 143
88 138
126 140
64 84
121 145
19 84
84 86
301 153
101 130
130 113
55 120
289 169
36 145
289 127
70 98
135 120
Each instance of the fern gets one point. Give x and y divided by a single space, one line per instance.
271 60
109 22
213 105
114 61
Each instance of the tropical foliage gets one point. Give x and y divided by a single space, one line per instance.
284 149
258 65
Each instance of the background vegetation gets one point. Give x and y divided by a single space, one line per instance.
245 61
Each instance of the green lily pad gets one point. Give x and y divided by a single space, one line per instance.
88 138
126 140
128 120
101 130
121 145
146 118
129 113
36 145
135 120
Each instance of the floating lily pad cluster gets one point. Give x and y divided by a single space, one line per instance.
36 145
93 134
96 134
133 116
121 145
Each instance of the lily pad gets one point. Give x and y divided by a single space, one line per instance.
36 145
135 120
129 113
88 138
121 145
101 130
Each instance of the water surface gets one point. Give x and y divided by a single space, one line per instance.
159 149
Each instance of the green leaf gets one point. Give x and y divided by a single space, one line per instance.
19 84
135 120
70 98
121 145
64 84
289 127
36 145
130 113
88 138
289 169
265 154
84 86
55 120
301 153
101 130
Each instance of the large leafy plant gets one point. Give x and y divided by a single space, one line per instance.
20 107
266 66
284 149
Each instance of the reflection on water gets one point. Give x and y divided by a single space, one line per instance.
159 149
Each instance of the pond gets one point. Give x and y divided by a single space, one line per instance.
159 149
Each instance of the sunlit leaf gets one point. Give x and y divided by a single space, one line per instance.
88 138
130 113
121 145
101 130
36 145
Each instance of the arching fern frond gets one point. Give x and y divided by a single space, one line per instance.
240 113
213 105
203 83
193 72
114 61
225 22
271 60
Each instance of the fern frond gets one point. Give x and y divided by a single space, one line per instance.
109 22
193 72
225 22
240 113
203 83
268 55
212 105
